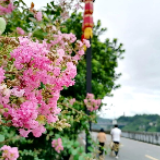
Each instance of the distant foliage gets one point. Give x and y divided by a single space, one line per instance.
145 122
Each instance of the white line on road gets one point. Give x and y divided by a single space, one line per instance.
151 157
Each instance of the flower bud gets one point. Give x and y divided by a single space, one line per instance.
6 109
14 42
1 107
2 25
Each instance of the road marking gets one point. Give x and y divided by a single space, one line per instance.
151 157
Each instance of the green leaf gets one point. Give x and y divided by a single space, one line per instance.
81 158
2 138
39 33
74 151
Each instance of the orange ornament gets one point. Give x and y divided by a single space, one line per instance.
88 33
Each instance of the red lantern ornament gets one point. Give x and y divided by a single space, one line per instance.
88 7
88 0
87 21
82 37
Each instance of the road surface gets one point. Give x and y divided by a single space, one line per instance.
134 150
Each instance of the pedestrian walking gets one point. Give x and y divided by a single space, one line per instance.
101 139
115 136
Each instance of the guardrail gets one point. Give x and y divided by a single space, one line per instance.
153 138
147 137
97 130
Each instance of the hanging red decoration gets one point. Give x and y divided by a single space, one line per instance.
88 0
88 7
82 37
87 21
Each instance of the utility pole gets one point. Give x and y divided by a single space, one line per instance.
88 88
88 34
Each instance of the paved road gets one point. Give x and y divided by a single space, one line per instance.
134 150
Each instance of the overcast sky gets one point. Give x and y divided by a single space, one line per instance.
136 24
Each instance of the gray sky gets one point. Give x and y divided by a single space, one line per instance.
136 24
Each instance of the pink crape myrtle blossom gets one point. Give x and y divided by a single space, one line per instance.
57 145
30 51
20 31
79 43
2 73
4 94
77 6
61 37
86 43
81 52
35 55
60 53
4 90
71 70
56 71
43 68
72 101
91 103
76 57
38 16
72 37
65 15
25 115
4 99
37 132
67 6
90 96
9 153
17 92
51 118
6 8
24 133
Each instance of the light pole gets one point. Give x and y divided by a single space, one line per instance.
88 34
88 88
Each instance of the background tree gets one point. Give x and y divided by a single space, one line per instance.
145 122
105 56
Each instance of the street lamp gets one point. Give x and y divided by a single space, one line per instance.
87 27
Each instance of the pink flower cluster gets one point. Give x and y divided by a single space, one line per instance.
2 73
38 16
9 153
6 8
65 40
72 101
20 31
67 6
4 95
57 144
91 103
43 70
